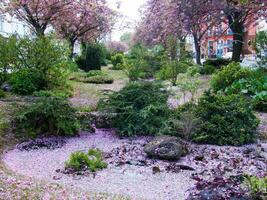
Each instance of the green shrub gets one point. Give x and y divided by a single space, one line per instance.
135 69
117 59
42 64
254 87
93 56
99 80
257 187
170 69
2 94
141 108
92 161
47 116
225 120
260 101
207 69
182 122
228 75
26 81
217 63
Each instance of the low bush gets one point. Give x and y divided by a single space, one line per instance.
99 80
217 63
117 59
47 116
95 73
141 108
225 120
228 75
2 94
56 93
260 101
92 161
26 81
257 187
207 69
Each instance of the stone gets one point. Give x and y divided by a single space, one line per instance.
164 147
6 87
102 120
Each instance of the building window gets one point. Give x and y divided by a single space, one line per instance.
229 45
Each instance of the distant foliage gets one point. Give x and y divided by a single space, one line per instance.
117 61
141 108
47 116
93 56
99 80
260 44
228 75
92 161
225 120
207 69
217 63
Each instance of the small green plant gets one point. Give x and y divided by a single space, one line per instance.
228 75
189 83
141 107
47 116
117 61
225 120
257 187
92 161
260 101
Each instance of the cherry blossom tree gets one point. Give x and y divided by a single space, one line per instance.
177 18
72 19
85 20
117 46
37 14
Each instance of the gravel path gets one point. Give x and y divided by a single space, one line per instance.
130 172
132 180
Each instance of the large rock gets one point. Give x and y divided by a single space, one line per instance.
165 147
6 87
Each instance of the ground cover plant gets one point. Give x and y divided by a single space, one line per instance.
47 116
140 108
92 161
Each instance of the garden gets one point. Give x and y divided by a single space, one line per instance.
131 119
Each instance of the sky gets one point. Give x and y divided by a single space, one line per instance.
130 11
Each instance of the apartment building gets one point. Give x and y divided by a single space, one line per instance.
219 41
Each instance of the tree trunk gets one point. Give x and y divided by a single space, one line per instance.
72 43
236 24
198 50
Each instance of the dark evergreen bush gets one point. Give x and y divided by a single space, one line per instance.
93 56
47 116
225 120
141 108
218 63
